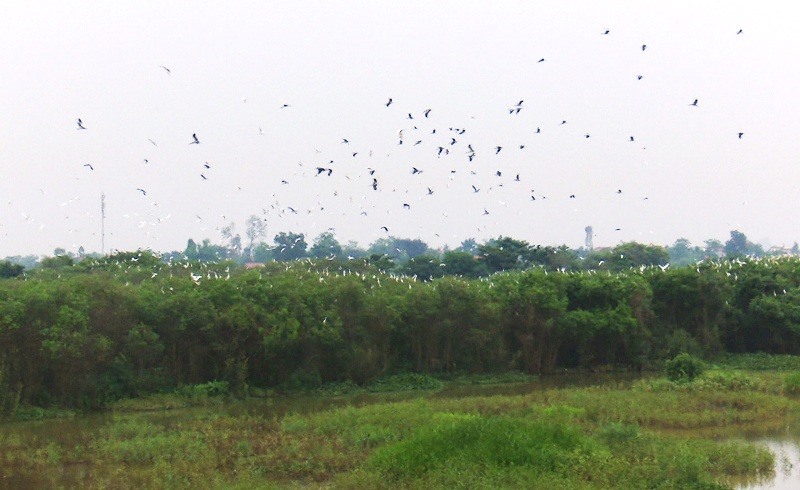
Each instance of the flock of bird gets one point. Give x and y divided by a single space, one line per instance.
425 142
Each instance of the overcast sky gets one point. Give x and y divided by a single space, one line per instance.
233 66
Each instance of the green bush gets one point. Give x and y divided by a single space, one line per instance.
684 367
206 390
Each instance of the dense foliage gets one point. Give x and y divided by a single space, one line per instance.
80 334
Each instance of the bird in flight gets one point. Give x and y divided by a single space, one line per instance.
144 192
631 138
475 189
740 135
739 31
385 229
694 103
540 60
639 77
80 124
644 46
497 149
389 102
606 31
169 72
92 168
196 141
426 112
204 177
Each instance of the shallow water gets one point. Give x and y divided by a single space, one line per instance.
787 465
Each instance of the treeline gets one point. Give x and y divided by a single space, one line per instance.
124 326
415 257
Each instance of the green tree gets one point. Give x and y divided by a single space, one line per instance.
326 246
681 253
290 246
505 253
458 263
9 269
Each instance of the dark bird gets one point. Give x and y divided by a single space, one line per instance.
204 177
485 211
572 196
196 141
426 112
345 141
80 124
540 60
418 142
521 147
739 31
694 103
516 179
631 138
453 141
415 170
320 170
586 135
410 116
740 135
563 122
284 106
354 154
151 141
406 205
385 229
606 31
538 130
92 168
639 77
430 191
644 46
144 192
206 165
475 189
389 103
375 184
619 191
497 149
441 149
499 173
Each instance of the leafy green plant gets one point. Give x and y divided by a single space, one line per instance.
684 367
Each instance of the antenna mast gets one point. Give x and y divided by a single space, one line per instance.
102 224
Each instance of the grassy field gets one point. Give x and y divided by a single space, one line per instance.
482 432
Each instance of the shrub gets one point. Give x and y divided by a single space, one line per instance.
684 367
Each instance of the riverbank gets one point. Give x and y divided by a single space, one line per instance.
613 432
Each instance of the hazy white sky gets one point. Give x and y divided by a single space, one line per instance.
234 64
